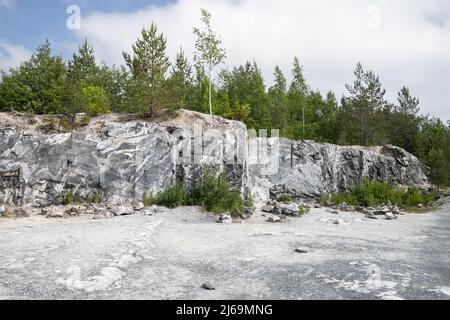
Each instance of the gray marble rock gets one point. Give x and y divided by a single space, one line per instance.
118 160
307 169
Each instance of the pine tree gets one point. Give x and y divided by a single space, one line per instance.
181 81
82 72
403 121
407 104
148 65
278 100
245 86
364 107
298 93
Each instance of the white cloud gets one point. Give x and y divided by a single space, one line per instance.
12 55
410 45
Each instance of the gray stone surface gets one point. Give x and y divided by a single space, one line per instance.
309 169
112 157
118 159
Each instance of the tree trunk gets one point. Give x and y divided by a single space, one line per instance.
210 95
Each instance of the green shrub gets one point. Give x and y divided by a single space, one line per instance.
172 197
213 193
378 193
303 210
248 201
68 198
286 198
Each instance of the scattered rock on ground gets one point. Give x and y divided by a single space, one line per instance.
302 250
21 213
345 207
274 219
55 214
247 212
208 286
122 211
290 209
225 219
390 216
267 209
139 206
76 211
371 215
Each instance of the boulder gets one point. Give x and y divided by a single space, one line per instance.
267 209
122 211
371 215
290 209
390 216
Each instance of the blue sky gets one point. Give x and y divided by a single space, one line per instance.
29 22
406 42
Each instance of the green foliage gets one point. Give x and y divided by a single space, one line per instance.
213 193
82 71
37 85
95 100
208 53
147 85
172 197
379 193
248 201
68 198
303 210
286 198
148 65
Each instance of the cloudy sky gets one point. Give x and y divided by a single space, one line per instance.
407 42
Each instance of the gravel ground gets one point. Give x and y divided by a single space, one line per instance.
171 254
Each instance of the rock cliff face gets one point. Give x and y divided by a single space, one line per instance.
309 169
119 159
115 159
